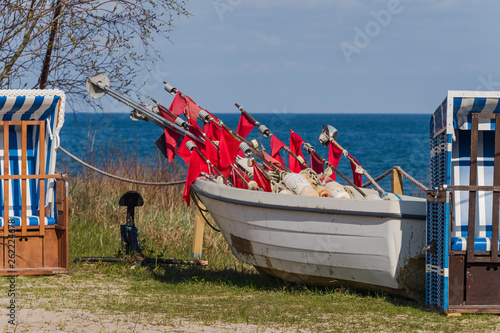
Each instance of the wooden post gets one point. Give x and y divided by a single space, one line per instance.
396 182
199 230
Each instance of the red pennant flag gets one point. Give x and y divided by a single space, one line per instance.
171 137
295 145
245 126
316 164
178 104
237 180
270 159
212 131
356 177
192 109
183 152
196 167
276 146
212 154
194 128
226 172
334 155
261 179
228 147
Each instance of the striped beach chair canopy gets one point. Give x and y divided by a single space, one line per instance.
47 105
34 105
18 107
456 111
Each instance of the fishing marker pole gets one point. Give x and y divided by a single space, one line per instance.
267 133
309 148
329 134
190 145
204 116
98 86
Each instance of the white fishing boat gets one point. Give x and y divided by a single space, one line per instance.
324 234
375 245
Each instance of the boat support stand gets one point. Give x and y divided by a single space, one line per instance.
130 244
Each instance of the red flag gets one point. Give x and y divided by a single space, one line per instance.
183 152
228 147
192 109
237 179
356 177
295 145
245 126
334 154
196 167
212 154
261 179
276 146
316 164
270 159
171 137
195 128
212 131
178 104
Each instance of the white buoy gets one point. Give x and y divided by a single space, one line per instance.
337 190
300 185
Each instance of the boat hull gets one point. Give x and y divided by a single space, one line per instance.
323 241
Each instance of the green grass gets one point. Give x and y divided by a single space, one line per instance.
237 295
225 291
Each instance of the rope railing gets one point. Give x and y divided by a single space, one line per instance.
118 177
404 173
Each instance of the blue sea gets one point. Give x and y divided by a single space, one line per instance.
376 141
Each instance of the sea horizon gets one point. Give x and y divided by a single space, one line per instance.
377 141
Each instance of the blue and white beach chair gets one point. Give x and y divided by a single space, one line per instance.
463 263
33 200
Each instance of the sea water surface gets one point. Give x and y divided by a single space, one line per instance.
376 141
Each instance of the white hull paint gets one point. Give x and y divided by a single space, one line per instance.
323 241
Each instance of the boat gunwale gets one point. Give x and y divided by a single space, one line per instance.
226 199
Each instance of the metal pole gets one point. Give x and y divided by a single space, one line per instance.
374 183
312 150
155 118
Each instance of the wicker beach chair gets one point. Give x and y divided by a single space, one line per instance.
463 262
33 200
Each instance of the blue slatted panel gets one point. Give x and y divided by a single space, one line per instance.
437 263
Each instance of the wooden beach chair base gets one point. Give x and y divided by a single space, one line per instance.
36 253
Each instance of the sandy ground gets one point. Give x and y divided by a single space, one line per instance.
40 320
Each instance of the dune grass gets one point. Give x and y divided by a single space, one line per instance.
225 291
165 223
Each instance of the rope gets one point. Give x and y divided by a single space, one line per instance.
195 200
404 173
117 177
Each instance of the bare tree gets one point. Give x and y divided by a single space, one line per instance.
58 43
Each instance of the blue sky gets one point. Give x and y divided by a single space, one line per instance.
330 56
